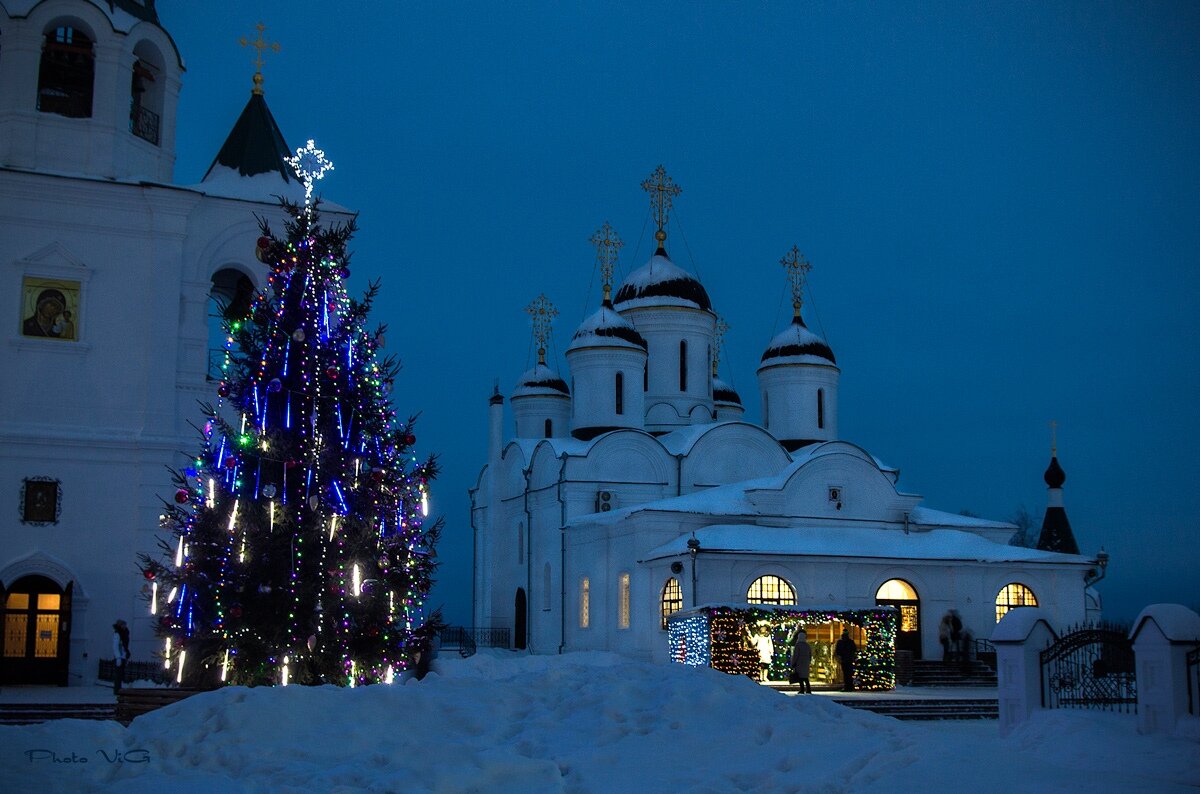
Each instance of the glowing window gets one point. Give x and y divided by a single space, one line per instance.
896 590
623 608
672 599
771 590
585 603
1013 595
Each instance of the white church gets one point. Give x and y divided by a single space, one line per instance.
113 277
633 489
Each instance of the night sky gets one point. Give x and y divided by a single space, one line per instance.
1001 203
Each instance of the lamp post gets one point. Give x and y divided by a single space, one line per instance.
693 549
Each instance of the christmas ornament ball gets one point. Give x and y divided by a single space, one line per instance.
298 334
409 439
331 372
149 574
181 496
262 248
274 385
230 462
223 390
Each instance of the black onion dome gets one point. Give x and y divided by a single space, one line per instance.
541 380
606 328
1055 476
724 393
660 282
798 345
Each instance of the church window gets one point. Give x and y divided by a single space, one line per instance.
67 73
546 587
771 590
619 385
766 412
683 365
623 605
646 378
820 408
672 600
1013 595
585 603
549 429
146 93
520 542
229 301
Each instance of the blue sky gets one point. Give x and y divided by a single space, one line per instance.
1000 202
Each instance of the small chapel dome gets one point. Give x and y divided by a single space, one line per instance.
606 328
1055 476
541 381
797 345
660 282
724 393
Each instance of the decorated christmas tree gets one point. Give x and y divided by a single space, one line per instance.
300 549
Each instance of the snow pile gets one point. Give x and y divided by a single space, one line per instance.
581 722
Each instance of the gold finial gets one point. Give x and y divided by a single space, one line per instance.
1053 439
722 329
607 244
797 268
543 313
260 45
662 190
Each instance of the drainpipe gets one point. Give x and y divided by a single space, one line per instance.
562 560
528 564
694 550
474 560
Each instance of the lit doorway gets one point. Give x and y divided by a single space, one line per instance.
37 632
903 596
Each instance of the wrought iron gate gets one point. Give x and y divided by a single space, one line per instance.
1091 667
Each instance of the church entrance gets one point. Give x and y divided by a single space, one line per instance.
903 596
519 620
37 632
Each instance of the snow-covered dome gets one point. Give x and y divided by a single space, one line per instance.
797 345
724 393
606 328
541 381
660 282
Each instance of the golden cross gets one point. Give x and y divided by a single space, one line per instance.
662 190
607 244
722 329
1053 439
543 313
797 267
259 44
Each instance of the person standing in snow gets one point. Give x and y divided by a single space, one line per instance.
801 661
120 653
944 636
846 652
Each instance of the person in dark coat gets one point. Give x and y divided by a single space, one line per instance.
801 662
120 654
846 651
956 627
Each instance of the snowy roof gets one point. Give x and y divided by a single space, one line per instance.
937 518
797 345
660 282
606 328
815 541
252 162
541 381
724 393
1175 621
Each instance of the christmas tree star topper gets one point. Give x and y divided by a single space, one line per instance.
310 164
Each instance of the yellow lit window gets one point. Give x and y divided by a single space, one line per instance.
585 603
623 609
771 590
672 599
1013 595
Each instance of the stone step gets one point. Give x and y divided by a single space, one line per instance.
942 709
30 713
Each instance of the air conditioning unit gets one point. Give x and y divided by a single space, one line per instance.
604 501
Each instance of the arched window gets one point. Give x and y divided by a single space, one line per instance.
585 603
896 590
623 602
672 600
546 587
230 299
549 429
771 590
520 542
683 365
766 412
820 408
646 378
1013 595
619 385
67 73
146 93
903 596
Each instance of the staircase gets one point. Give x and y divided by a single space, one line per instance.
940 709
926 672
30 713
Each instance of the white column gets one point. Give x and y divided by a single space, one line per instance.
1019 638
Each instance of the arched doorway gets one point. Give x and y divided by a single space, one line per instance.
37 632
903 596
519 620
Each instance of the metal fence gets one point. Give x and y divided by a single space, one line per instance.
134 671
144 124
1090 667
468 638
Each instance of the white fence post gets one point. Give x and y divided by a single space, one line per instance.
1019 638
1162 636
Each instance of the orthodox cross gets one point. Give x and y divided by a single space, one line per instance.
662 190
797 269
1053 439
607 244
310 164
259 44
543 313
722 329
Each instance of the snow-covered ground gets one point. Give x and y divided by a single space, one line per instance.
588 722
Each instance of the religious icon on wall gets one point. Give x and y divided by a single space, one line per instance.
50 308
40 500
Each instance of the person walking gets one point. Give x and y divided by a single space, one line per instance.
120 653
846 651
956 627
801 662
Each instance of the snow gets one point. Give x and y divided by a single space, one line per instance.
225 182
586 335
589 722
1175 621
844 541
1017 624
